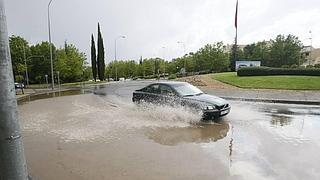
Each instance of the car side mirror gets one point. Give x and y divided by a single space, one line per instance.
171 94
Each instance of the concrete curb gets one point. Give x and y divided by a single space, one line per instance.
281 101
46 92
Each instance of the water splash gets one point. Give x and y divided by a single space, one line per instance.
91 117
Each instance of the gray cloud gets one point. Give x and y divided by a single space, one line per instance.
149 24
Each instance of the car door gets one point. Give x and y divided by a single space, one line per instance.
168 95
152 94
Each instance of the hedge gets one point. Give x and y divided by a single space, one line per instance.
267 71
172 76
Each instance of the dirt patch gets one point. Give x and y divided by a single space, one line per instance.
206 81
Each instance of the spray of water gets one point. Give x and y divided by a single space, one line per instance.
91 117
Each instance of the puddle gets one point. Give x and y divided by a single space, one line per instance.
205 133
53 95
106 136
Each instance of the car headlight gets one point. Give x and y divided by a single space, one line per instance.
210 107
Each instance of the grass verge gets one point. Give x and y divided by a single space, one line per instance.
270 82
75 84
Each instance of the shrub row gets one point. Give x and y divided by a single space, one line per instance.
267 71
172 76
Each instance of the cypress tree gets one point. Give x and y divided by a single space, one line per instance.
140 61
93 58
100 59
66 47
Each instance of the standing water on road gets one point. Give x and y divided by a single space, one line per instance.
105 136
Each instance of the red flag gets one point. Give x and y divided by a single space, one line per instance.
236 17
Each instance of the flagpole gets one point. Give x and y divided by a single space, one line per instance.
235 48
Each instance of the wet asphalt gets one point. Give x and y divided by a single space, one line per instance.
100 134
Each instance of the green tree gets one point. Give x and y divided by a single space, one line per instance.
87 73
126 69
257 51
212 58
70 63
20 50
93 59
261 52
248 51
140 68
100 59
39 62
148 65
285 51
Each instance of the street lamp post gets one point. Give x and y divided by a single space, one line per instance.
310 47
184 51
25 65
50 45
115 54
46 76
58 73
164 58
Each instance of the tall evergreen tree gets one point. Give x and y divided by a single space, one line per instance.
66 47
100 59
93 58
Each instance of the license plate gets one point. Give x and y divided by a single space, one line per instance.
224 112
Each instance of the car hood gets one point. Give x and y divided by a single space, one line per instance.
208 99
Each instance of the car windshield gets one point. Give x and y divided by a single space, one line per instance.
187 90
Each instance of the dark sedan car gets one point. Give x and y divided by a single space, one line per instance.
185 94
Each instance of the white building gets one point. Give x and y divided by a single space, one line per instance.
312 55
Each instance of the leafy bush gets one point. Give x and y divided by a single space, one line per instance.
317 65
266 71
294 66
19 78
285 66
151 77
172 76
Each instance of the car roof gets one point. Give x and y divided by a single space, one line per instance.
170 83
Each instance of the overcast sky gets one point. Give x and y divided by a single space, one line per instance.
150 25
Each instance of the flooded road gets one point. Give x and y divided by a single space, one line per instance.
105 136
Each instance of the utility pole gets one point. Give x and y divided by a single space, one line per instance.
184 51
50 46
25 64
58 73
144 71
12 159
46 76
310 59
164 58
115 54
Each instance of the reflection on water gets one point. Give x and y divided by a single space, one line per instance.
290 109
53 95
194 134
278 120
